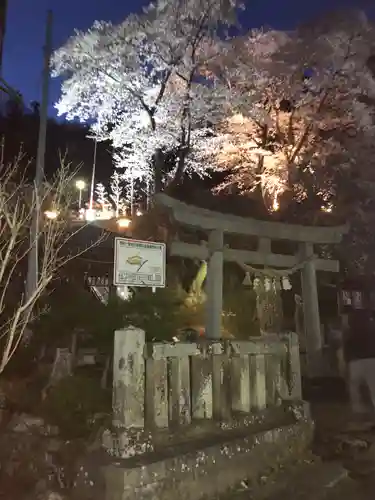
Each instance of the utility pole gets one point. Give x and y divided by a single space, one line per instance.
92 186
3 22
33 265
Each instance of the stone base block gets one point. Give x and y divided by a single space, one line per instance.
208 471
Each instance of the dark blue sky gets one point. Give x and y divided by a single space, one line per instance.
26 19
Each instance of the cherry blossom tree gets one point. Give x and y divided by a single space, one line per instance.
117 193
304 139
102 195
141 82
132 175
302 121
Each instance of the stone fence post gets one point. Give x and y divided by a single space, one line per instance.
128 378
128 438
295 381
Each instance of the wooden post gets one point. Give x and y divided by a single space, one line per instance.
214 288
311 311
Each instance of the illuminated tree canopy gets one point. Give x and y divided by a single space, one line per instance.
141 84
304 122
287 116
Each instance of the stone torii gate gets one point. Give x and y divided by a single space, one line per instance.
216 224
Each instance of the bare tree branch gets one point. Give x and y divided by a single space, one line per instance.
18 202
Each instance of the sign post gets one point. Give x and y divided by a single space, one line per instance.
139 263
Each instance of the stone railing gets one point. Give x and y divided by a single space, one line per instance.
166 385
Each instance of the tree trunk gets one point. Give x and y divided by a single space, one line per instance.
179 174
159 168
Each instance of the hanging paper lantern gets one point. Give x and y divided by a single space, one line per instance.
247 280
286 283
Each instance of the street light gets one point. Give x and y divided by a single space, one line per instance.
51 214
123 223
90 215
80 185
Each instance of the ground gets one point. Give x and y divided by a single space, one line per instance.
341 465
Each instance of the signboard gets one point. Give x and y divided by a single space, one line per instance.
139 263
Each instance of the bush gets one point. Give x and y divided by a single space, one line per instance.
158 314
73 403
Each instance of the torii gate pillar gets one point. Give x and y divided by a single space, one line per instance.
214 286
311 311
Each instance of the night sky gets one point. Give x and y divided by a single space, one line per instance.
26 19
